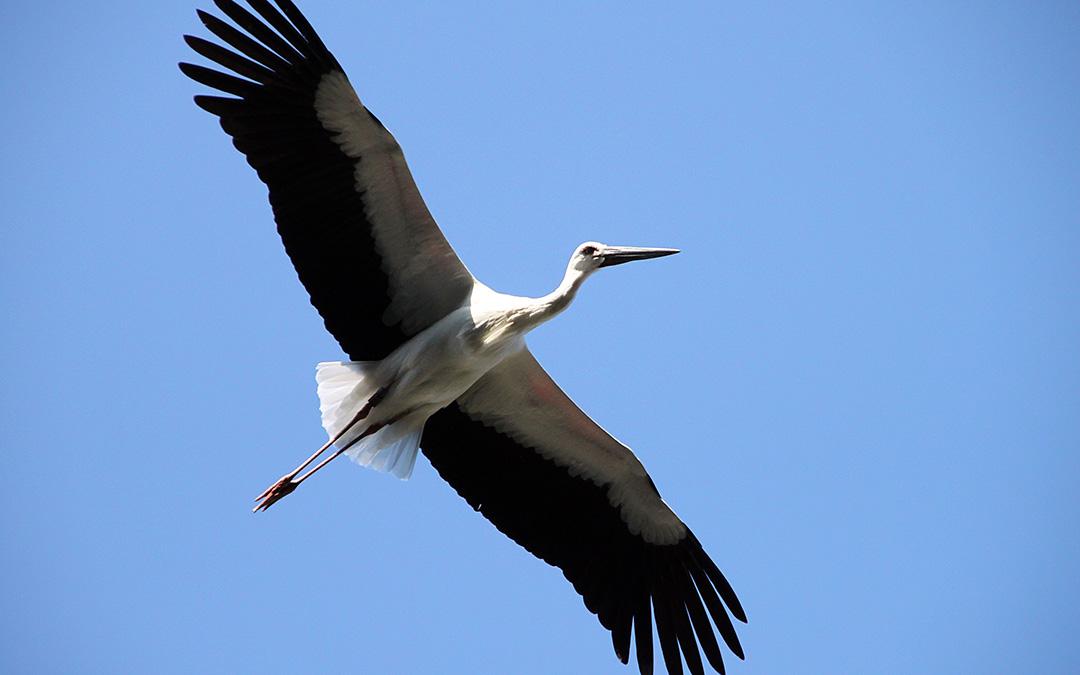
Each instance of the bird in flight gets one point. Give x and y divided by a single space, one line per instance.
438 359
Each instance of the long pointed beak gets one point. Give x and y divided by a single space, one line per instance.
617 255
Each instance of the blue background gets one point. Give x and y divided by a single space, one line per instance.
858 384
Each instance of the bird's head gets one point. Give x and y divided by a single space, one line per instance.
593 255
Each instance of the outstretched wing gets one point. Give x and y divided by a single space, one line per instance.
525 456
352 220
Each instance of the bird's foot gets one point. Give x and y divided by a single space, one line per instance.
275 492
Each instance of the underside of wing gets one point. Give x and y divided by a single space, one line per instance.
518 450
348 211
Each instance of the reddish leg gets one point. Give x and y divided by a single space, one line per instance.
285 485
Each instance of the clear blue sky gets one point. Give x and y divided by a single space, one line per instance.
859 384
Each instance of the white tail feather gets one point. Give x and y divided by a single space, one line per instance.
343 388
392 449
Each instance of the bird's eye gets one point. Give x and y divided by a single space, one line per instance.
588 250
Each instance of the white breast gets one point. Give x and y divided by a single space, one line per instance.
442 362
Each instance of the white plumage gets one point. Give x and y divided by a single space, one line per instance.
343 388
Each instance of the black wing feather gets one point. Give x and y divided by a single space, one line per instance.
247 46
699 619
665 629
319 212
224 57
569 522
643 632
263 34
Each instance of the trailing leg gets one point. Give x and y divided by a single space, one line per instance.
286 484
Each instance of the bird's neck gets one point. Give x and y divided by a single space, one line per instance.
546 307
528 313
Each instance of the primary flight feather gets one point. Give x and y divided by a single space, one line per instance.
438 360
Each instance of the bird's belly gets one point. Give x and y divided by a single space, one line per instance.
439 371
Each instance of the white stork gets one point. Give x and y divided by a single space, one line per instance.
438 358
